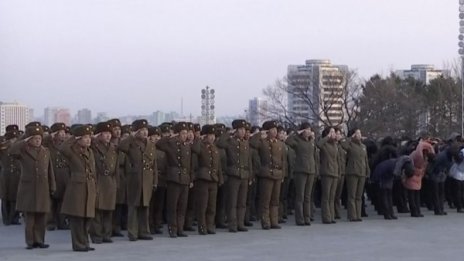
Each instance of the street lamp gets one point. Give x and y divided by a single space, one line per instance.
461 54
207 106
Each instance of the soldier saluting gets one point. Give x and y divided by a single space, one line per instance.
208 176
37 183
273 159
80 195
178 177
107 167
239 173
141 179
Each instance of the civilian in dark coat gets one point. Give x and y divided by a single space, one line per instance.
384 175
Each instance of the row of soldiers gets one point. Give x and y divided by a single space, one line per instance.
105 178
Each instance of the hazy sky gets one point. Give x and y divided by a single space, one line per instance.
138 56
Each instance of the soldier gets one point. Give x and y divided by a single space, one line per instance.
81 191
119 221
192 137
341 179
37 183
11 171
154 135
305 172
61 171
141 179
208 176
160 193
329 171
178 177
107 167
252 209
273 158
221 194
284 188
357 171
239 174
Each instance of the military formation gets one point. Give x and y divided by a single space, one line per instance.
99 180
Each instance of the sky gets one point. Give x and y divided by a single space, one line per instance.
138 56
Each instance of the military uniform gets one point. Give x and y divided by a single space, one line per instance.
178 178
119 221
222 193
329 172
304 176
208 176
10 175
239 175
81 191
62 175
341 180
357 170
107 167
273 157
37 183
141 179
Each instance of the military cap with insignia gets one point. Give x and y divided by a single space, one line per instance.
126 129
103 127
165 128
82 130
237 124
139 124
152 130
196 127
208 129
91 126
45 128
33 124
269 125
57 126
180 126
248 126
11 134
12 127
115 123
255 129
34 130
190 126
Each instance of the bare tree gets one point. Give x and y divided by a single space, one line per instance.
331 99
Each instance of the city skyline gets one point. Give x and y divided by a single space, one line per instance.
104 51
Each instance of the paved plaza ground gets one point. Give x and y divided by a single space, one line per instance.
428 238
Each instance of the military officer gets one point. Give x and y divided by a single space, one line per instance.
192 137
342 170
222 193
208 176
178 177
61 171
357 170
329 171
107 167
10 173
81 191
273 159
305 172
239 174
141 179
119 221
160 193
37 183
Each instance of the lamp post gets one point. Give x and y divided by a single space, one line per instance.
461 54
207 106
